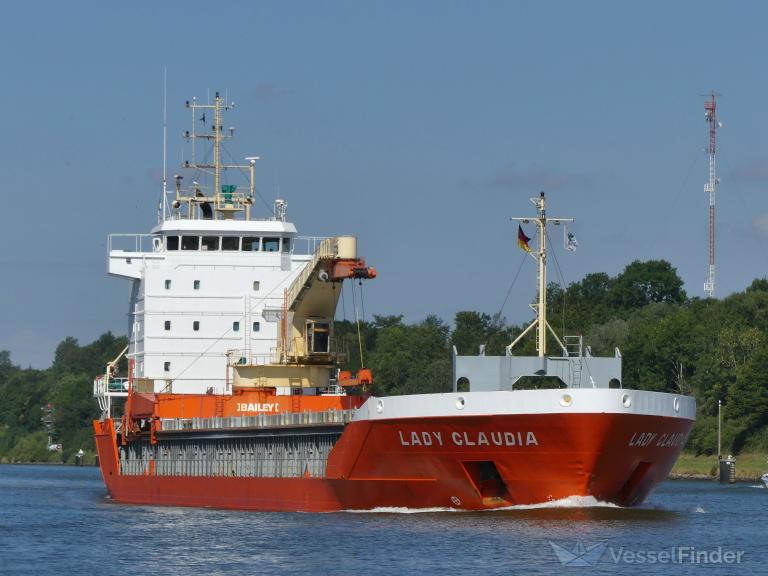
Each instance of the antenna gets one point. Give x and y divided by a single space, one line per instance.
165 141
710 114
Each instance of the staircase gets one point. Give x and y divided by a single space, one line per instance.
327 250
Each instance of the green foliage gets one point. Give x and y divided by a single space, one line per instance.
66 386
412 359
716 350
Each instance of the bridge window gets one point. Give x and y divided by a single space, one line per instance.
235 326
167 324
271 244
196 325
190 242
256 326
230 243
196 284
210 243
251 244
166 366
167 284
256 285
286 244
172 243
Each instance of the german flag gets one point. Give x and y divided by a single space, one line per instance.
522 239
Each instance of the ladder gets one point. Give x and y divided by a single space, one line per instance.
219 406
574 351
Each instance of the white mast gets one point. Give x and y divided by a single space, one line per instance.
540 322
165 142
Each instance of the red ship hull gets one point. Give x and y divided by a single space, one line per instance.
466 462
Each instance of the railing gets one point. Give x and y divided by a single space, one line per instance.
135 243
311 243
259 421
106 388
113 386
328 248
244 358
337 348
302 245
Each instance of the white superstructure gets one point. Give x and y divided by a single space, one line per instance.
209 286
202 288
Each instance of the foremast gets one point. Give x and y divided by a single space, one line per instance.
540 323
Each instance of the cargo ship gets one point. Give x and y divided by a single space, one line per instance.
235 398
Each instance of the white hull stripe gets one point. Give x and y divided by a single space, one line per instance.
519 402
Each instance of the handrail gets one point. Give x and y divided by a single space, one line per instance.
282 419
327 249
147 243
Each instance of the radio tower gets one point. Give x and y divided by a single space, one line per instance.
710 113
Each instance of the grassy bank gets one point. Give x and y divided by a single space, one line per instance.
748 466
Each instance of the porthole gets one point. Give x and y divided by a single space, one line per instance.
676 404
626 400
566 400
380 406
460 403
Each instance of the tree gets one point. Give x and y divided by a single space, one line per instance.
643 283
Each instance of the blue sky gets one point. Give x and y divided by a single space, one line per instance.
420 127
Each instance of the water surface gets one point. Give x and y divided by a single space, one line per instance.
56 519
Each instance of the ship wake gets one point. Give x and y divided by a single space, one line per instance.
567 502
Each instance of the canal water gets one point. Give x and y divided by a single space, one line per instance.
59 520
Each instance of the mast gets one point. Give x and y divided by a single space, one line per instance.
540 322
165 143
222 201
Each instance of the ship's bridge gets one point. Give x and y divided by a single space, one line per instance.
129 253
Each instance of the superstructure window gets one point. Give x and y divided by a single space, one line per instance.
196 284
286 244
256 326
190 242
166 366
256 285
235 326
271 244
167 284
210 243
167 324
251 244
172 243
196 325
230 243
